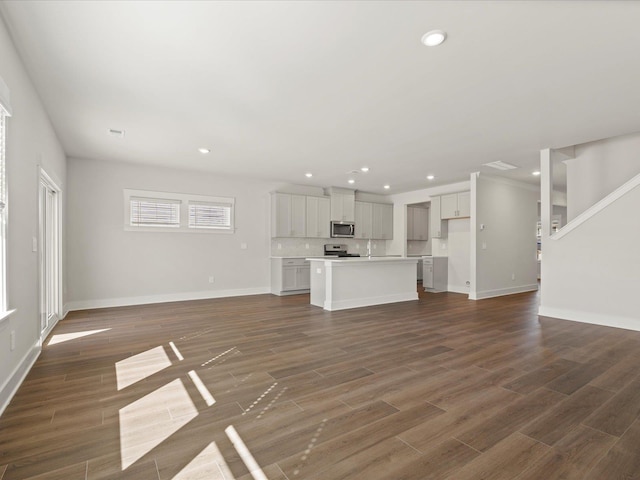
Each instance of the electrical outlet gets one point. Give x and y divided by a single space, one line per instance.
243 246
279 246
306 245
211 279
513 276
484 245
12 340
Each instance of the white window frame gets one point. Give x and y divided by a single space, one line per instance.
185 199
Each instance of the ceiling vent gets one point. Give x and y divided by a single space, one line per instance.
116 133
500 165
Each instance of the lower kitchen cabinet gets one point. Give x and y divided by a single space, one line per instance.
290 276
435 274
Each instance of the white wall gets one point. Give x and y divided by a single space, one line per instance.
506 247
598 169
590 274
110 266
459 248
31 142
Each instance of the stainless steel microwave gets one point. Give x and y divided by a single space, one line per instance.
342 229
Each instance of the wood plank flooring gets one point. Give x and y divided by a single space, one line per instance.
267 387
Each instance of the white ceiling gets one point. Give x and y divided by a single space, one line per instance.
277 89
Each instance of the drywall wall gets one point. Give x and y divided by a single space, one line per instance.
503 237
598 169
30 143
596 285
110 266
459 248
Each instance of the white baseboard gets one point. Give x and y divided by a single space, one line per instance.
367 302
10 386
458 288
627 323
503 291
168 297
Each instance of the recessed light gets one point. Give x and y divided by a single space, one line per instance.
204 151
430 177
387 187
351 180
536 173
308 175
434 38
365 169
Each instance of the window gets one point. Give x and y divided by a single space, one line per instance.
5 112
209 215
154 212
177 212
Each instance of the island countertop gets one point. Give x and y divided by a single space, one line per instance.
363 259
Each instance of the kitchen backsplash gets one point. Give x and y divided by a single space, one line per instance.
297 247
418 247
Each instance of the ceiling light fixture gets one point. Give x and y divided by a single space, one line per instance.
308 175
430 177
536 173
203 150
387 187
365 169
351 180
434 38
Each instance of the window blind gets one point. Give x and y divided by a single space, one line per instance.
210 215
155 212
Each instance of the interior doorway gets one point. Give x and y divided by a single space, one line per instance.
50 252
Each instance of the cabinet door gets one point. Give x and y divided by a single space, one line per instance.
337 211
324 217
382 219
449 206
464 204
435 220
427 275
298 215
420 224
363 212
289 278
348 208
281 215
312 217
411 233
303 277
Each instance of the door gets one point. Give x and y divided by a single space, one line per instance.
49 243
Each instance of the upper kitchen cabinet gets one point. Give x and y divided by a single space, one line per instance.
382 221
288 215
417 223
364 219
343 205
455 205
318 217
437 228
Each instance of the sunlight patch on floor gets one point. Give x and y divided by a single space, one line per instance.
140 366
147 422
65 337
202 389
209 464
246 456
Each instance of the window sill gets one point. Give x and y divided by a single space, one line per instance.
4 316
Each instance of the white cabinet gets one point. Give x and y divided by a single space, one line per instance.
382 221
288 215
364 218
437 228
343 206
318 217
435 274
455 205
420 268
290 276
417 223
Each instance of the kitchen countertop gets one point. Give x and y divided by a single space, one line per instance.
364 259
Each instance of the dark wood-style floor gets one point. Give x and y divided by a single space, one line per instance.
269 387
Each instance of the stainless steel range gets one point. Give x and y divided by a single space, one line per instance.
338 250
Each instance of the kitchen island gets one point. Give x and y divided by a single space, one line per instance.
341 283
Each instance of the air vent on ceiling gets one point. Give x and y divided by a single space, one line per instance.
116 133
500 165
